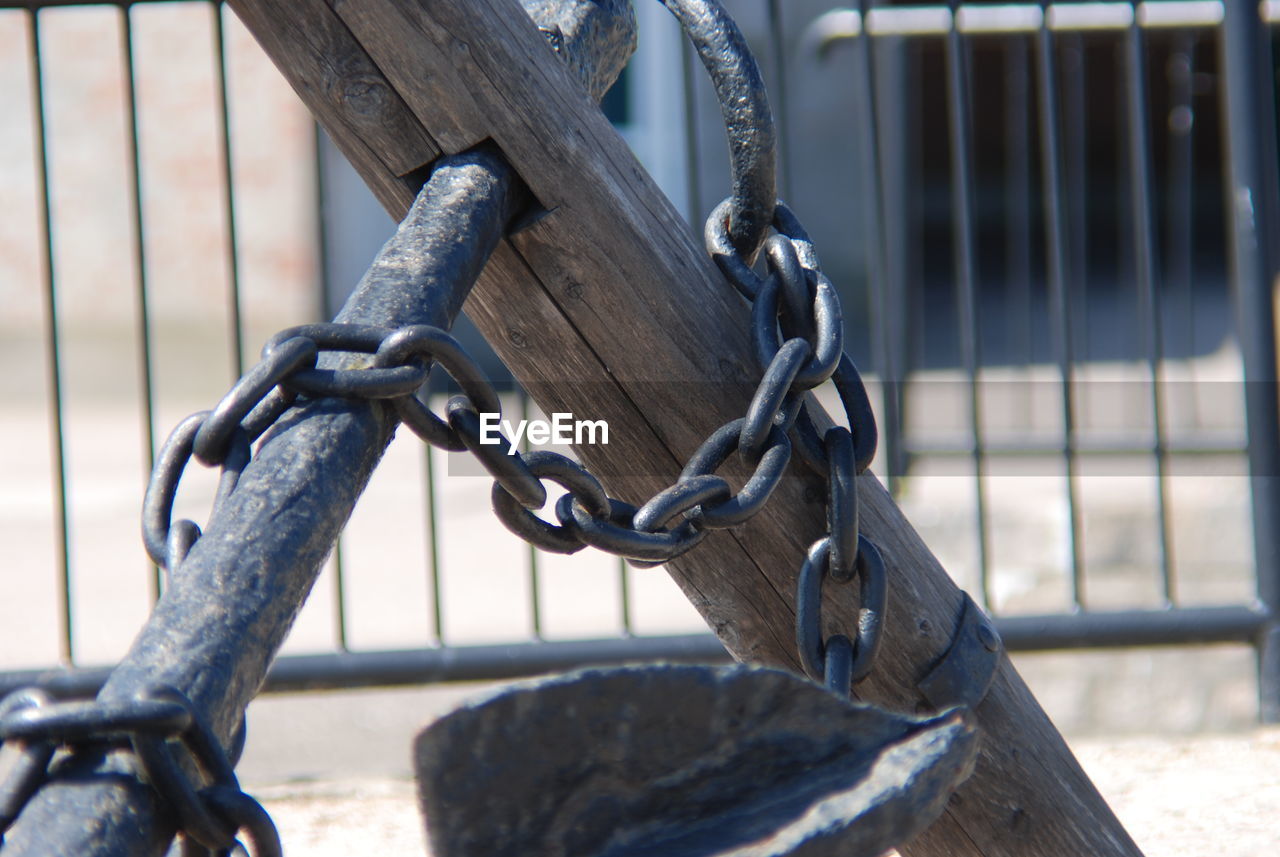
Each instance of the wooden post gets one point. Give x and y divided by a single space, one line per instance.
609 308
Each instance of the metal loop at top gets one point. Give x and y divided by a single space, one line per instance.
715 450
744 106
873 599
715 235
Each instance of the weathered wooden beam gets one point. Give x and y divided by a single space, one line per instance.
607 306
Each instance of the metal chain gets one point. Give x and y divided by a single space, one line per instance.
797 335
156 726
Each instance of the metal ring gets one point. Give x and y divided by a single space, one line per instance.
862 422
715 450
842 504
770 396
744 107
422 340
615 534
873 599
570 475
288 357
499 457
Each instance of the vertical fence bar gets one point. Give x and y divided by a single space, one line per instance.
962 181
1246 94
53 358
1017 203
1059 303
881 299
535 583
433 551
1180 240
1144 251
692 162
324 296
138 247
778 96
624 597
1074 143
228 192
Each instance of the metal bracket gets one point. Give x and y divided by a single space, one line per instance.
966 671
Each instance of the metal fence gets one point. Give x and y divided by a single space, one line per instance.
1025 198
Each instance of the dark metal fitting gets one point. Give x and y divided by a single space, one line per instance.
862 422
570 475
680 499
964 674
873 595
715 450
503 462
769 399
266 412
842 504
288 357
616 534
438 345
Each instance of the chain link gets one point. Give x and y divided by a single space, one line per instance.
157 725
